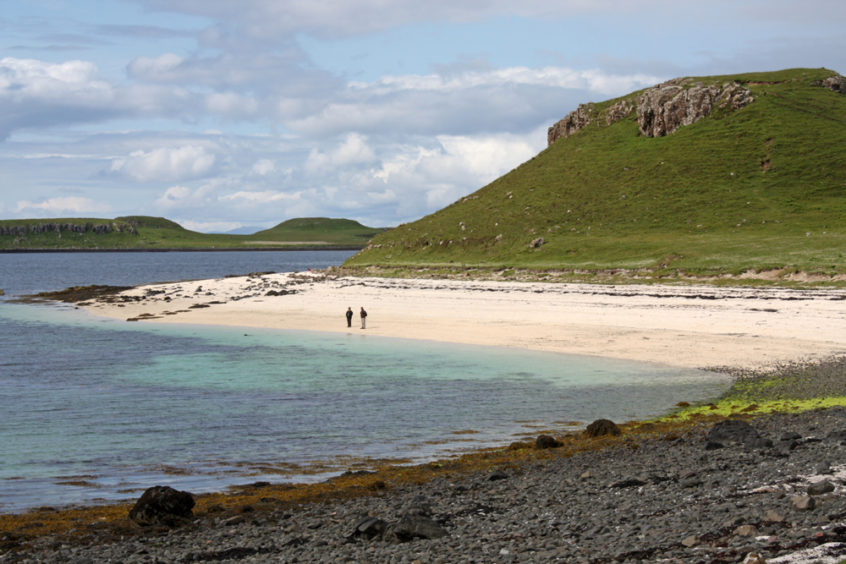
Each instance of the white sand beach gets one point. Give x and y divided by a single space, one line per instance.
685 326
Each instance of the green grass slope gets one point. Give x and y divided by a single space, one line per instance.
763 187
156 233
319 230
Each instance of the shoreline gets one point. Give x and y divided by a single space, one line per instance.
701 327
308 520
658 491
293 247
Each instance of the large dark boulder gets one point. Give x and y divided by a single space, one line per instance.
416 523
414 526
602 427
162 505
546 441
737 431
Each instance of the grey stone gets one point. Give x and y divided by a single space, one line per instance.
803 502
821 487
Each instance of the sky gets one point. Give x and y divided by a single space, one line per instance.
226 115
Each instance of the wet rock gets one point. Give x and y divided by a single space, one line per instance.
546 441
162 505
602 427
496 476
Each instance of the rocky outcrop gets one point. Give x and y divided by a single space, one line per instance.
836 83
97 229
660 110
663 109
618 111
572 122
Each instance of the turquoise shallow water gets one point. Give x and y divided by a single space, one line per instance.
94 409
118 407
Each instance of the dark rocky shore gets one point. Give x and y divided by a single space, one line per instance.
768 486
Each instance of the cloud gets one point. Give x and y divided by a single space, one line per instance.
183 197
164 68
211 226
260 196
63 206
38 93
263 167
232 105
168 164
352 150
270 19
509 99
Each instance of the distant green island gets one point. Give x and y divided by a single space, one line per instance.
724 176
156 233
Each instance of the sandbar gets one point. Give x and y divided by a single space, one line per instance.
686 326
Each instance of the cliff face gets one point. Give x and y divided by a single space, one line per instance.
664 108
661 110
98 229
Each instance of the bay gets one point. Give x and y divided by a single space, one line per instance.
97 410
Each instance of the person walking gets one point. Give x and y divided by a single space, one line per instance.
363 315
349 317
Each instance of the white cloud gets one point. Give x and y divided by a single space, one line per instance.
63 206
182 197
352 150
269 19
29 79
156 69
510 99
210 226
557 77
37 94
263 167
165 163
233 105
260 196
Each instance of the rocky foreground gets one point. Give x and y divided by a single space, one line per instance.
770 490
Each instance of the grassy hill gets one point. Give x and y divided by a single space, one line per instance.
762 187
156 233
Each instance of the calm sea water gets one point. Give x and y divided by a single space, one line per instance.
94 409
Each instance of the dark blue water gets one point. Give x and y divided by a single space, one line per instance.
27 273
94 409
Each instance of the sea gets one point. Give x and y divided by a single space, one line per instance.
94 410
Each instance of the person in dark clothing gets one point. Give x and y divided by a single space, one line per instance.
349 317
363 319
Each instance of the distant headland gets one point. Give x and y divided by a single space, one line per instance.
145 233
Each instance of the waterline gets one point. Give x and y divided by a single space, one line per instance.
97 409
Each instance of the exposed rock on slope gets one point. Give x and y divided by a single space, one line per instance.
571 123
836 83
663 109
660 110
